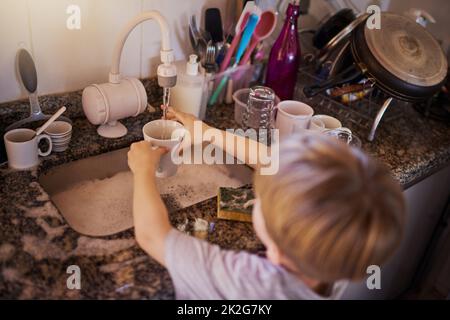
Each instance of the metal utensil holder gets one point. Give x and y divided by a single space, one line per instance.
366 114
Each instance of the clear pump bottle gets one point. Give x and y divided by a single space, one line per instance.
187 95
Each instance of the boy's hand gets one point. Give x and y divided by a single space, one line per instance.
151 219
143 158
186 119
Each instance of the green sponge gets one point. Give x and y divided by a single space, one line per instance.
235 203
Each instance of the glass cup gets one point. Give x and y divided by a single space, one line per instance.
345 135
260 106
259 113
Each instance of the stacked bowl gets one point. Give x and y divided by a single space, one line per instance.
60 132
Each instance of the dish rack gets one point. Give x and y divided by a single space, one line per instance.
360 114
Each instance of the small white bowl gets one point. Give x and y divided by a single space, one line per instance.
60 133
60 139
59 128
62 136
58 146
60 149
329 122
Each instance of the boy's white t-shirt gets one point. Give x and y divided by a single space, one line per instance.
200 270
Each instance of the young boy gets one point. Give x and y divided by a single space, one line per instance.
324 217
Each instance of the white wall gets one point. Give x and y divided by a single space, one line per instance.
69 60
439 9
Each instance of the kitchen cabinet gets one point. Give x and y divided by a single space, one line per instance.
433 279
426 202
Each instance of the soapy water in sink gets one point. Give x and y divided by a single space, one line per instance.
98 207
104 207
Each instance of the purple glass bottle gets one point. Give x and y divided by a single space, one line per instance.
285 56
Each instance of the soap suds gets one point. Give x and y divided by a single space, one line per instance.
98 207
104 207
195 183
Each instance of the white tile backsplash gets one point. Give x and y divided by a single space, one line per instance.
69 60
14 34
177 13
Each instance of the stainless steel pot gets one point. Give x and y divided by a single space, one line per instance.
402 57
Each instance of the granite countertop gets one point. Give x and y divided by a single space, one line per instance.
37 246
413 147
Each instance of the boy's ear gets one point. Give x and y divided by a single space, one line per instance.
275 254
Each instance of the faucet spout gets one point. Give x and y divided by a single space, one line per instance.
167 55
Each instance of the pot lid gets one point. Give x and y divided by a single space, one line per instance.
407 50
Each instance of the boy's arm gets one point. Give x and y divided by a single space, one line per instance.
229 139
151 221
249 149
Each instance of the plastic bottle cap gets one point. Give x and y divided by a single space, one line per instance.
192 65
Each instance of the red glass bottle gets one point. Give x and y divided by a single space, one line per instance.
285 55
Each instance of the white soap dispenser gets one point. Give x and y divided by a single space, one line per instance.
187 95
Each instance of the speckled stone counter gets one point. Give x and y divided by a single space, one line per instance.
412 146
37 246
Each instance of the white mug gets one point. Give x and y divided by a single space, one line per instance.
173 136
329 122
292 116
316 125
22 148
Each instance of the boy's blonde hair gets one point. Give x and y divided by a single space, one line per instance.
332 210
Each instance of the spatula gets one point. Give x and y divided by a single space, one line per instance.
246 37
51 120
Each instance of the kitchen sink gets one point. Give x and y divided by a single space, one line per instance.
94 195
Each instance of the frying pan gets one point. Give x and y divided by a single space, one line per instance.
372 62
332 27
